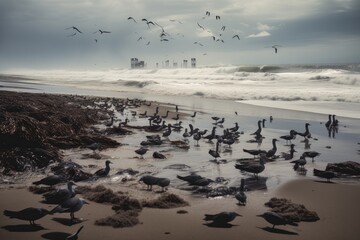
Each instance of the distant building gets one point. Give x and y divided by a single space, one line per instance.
193 62
135 63
167 63
175 65
185 62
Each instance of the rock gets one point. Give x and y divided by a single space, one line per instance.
349 167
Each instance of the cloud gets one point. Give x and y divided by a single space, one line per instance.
263 27
260 34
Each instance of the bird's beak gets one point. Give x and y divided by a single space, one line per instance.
261 215
85 202
239 215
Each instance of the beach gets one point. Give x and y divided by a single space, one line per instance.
335 203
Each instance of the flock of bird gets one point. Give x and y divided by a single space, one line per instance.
66 198
216 35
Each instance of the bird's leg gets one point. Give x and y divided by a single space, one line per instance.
273 226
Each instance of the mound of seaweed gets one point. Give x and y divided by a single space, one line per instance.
166 201
349 168
100 194
292 211
120 219
28 121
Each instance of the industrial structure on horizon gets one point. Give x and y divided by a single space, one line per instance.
136 63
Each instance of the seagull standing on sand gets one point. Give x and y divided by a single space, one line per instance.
221 218
71 206
276 219
253 168
28 214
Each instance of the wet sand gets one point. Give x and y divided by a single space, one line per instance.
336 204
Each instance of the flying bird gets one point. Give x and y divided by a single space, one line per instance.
207 13
140 38
75 28
148 43
200 26
101 31
132 19
223 28
71 35
275 47
217 17
236 36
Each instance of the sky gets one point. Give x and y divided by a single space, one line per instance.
34 34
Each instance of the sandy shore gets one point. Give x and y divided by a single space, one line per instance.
335 203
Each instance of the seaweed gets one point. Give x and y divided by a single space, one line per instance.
166 201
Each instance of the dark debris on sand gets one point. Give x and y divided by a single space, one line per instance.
292 211
166 201
34 126
348 168
120 220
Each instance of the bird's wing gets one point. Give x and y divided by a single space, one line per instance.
77 29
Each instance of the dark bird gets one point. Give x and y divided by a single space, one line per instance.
236 36
75 28
60 195
151 180
71 206
299 162
275 47
148 43
258 131
240 195
221 218
311 154
223 28
307 133
324 174
167 133
290 137
253 168
195 180
28 214
140 38
290 155
50 180
132 19
75 235
194 115
215 153
271 152
158 155
101 31
104 171
217 17
207 13
94 146
276 219
95 40
328 123
197 137
254 152
141 151
200 26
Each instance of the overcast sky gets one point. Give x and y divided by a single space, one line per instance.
33 33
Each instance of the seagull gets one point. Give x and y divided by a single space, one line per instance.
311 154
271 152
275 47
300 162
148 43
276 219
290 137
60 195
104 171
236 36
200 26
241 196
140 38
132 19
71 206
28 214
254 152
151 180
324 174
75 28
207 13
217 17
223 28
50 180
141 151
253 168
221 218
101 31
